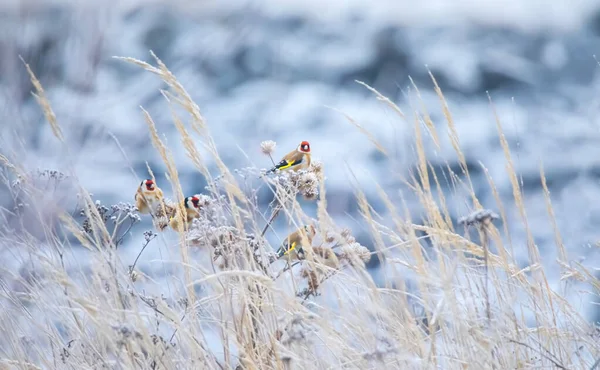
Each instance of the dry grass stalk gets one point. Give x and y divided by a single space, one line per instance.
427 118
363 131
44 103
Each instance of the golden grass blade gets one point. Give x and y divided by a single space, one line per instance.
562 252
454 139
44 103
362 130
383 98
427 118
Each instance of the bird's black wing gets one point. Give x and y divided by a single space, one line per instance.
285 164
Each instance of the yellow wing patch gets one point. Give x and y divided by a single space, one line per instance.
291 248
289 164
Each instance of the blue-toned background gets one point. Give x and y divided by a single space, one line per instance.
274 69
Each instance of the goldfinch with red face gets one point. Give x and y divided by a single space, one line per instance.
295 160
191 206
291 247
148 196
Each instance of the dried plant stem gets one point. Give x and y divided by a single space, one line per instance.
555 362
313 291
286 268
254 317
485 243
276 211
132 268
175 331
595 365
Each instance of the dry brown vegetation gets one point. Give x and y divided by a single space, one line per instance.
226 305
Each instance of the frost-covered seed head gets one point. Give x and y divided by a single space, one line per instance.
268 147
354 251
479 217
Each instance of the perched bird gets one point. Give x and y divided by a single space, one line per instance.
295 160
148 196
191 206
292 245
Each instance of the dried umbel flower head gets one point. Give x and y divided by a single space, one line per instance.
117 213
379 353
206 235
344 245
298 329
354 252
313 281
326 256
303 182
308 185
336 238
331 237
229 248
268 147
316 167
52 174
149 235
480 217
346 235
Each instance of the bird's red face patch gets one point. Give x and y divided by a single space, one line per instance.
304 147
149 184
195 201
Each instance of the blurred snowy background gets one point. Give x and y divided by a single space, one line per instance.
263 70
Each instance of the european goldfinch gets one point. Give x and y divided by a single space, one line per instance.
191 206
295 160
291 248
148 197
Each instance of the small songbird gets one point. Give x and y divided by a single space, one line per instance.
292 245
191 206
148 196
295 160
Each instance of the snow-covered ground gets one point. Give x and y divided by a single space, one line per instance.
275 69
